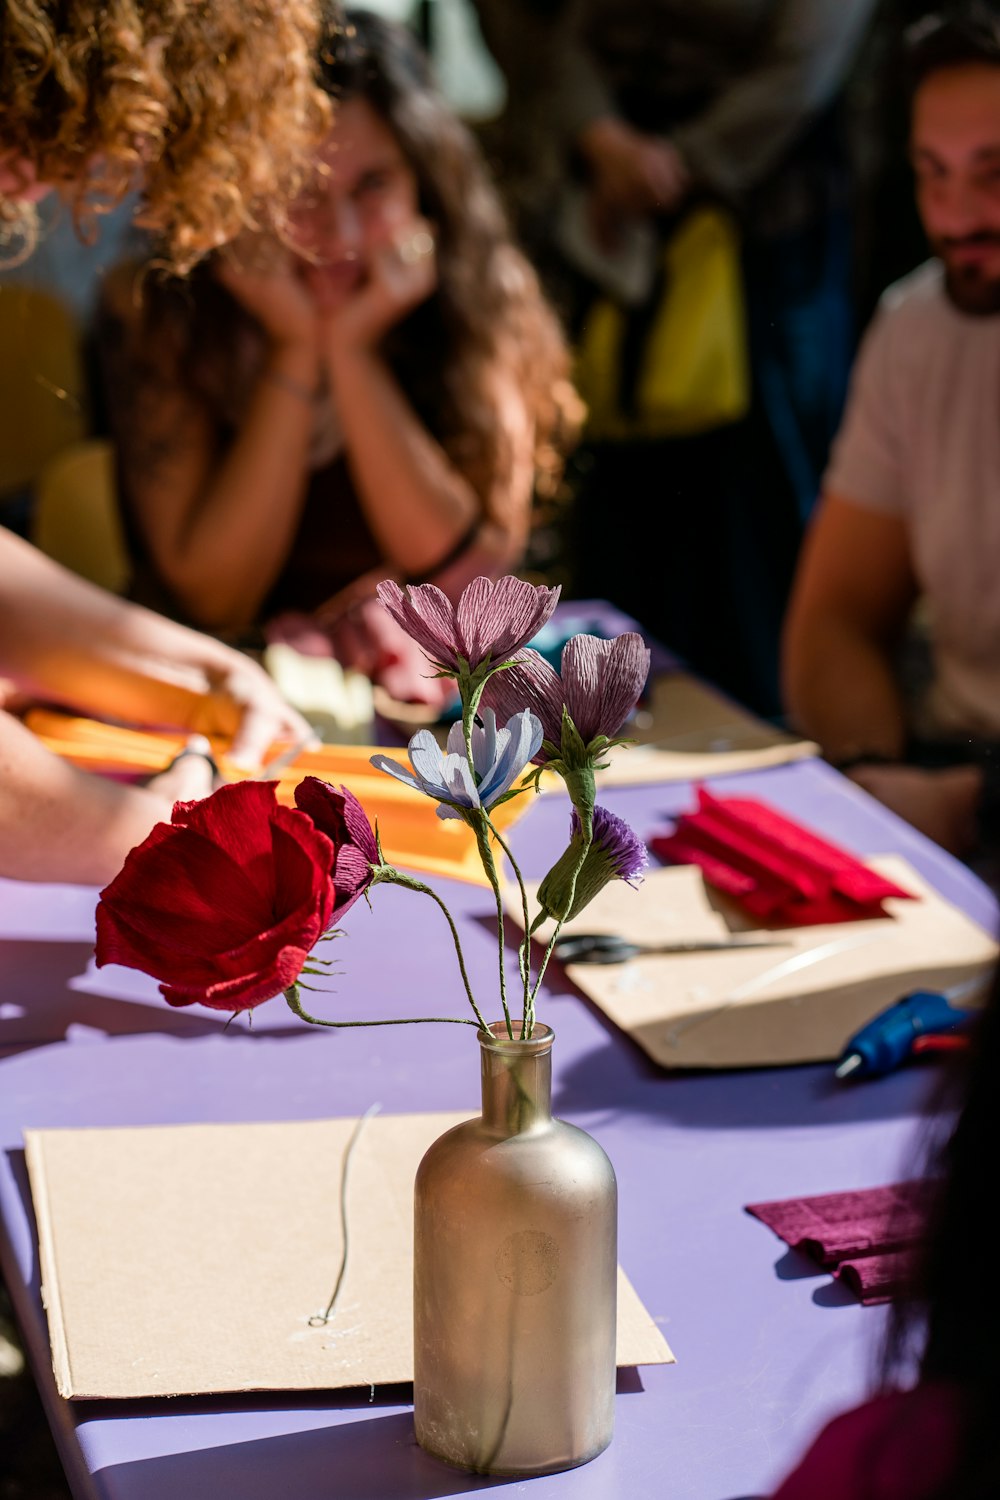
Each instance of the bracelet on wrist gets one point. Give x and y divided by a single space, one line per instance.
200 749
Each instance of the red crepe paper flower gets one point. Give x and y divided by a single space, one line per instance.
490 622
224 903
344 821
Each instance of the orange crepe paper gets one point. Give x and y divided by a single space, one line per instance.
411 832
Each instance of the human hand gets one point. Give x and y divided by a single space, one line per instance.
631 173
401 274
941 804
243 702
408 677
368 639
264 280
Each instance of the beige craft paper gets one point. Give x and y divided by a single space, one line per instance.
686 731
680 1008
690 731
188 1259
337 702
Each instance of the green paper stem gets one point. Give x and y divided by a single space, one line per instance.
295 1004
551 943
524 946
480 824
391 876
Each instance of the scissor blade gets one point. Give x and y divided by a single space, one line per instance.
711 945
279 762
578 950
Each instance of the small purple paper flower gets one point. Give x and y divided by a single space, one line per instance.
498 756
615 853
344 821
599 686
616 843
491 621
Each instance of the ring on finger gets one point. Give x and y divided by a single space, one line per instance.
415 247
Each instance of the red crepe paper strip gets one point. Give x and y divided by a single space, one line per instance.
782 873
878 1278
867 1238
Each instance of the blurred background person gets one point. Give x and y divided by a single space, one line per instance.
375 394
624 116
911 500
196 120
210 112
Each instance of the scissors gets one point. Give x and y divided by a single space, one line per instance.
287 757
609 948
198 745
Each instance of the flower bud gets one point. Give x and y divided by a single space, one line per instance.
614 853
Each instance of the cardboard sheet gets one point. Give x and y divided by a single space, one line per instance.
335 700
722 1010
685 731
689 731
189 1259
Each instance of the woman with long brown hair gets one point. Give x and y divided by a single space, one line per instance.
373 393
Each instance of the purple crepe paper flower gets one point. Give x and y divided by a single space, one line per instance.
498 756
344 821
491 621
599 686
616 843
615 853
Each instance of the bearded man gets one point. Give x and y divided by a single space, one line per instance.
910 512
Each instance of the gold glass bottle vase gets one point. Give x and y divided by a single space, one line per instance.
515 1278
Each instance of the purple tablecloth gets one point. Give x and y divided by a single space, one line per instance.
766 1349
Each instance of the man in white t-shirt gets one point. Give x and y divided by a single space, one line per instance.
911 499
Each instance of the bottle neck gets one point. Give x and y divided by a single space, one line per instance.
517 1080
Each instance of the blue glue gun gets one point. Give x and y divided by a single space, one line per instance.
887 1041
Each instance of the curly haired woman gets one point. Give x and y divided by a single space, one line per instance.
374 393
210 109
